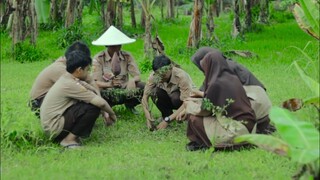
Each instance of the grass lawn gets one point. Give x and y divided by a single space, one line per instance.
127 150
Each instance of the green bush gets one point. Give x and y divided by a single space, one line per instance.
145 66
25 52
280 15
71 34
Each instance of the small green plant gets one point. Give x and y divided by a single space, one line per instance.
145 65
25 52
216 110
69 35
119 95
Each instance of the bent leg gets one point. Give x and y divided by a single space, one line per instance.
79 120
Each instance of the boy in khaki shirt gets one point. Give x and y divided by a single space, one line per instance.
168 87
48 76
71 106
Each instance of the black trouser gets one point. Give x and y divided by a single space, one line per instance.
165 102
79 120
35 105
116 96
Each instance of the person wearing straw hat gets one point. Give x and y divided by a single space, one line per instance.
111 70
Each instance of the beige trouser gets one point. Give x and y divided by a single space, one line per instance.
260 102
221 131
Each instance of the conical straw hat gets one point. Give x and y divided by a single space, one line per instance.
112 37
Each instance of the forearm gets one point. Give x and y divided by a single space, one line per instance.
145 107
102 84
177 112
106 107
137 78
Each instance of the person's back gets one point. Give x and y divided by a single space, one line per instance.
71 106
47 78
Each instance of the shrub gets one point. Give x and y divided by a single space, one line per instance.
25 52
69 35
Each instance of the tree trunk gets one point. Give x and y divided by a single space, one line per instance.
62 9
111 13
195 26
143 16
79 11
133 14
54 11
119 15
104 13
24 9
70 13
147 39
170 9
248 17
210 23
33 27
236 20
5 11
264 12
161 8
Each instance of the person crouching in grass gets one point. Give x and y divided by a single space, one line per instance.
71 106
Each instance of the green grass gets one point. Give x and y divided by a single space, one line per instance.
128 150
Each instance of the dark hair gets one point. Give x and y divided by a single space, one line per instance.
78 45
160 61
76 59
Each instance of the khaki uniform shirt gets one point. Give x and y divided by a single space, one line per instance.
47 78
102 65
180 80
67 91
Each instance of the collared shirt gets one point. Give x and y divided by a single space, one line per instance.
67 91
102 65
47 78
180 80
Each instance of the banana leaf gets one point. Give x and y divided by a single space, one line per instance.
43 10
265 142
307 16
312 101
311 10
312 84
301 136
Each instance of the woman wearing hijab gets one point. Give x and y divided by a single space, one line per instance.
255 90
236 118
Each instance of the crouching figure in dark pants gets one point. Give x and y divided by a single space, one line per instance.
71 107
224 90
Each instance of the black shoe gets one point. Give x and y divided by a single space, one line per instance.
194 146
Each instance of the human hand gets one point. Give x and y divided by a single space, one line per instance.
196 93
107 119
150 125
113 117
116 84
162 125
131 84
181 116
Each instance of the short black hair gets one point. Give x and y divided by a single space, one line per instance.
76 59
160 61
78 45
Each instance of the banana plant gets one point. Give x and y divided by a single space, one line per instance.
43 10
299 140
307 16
